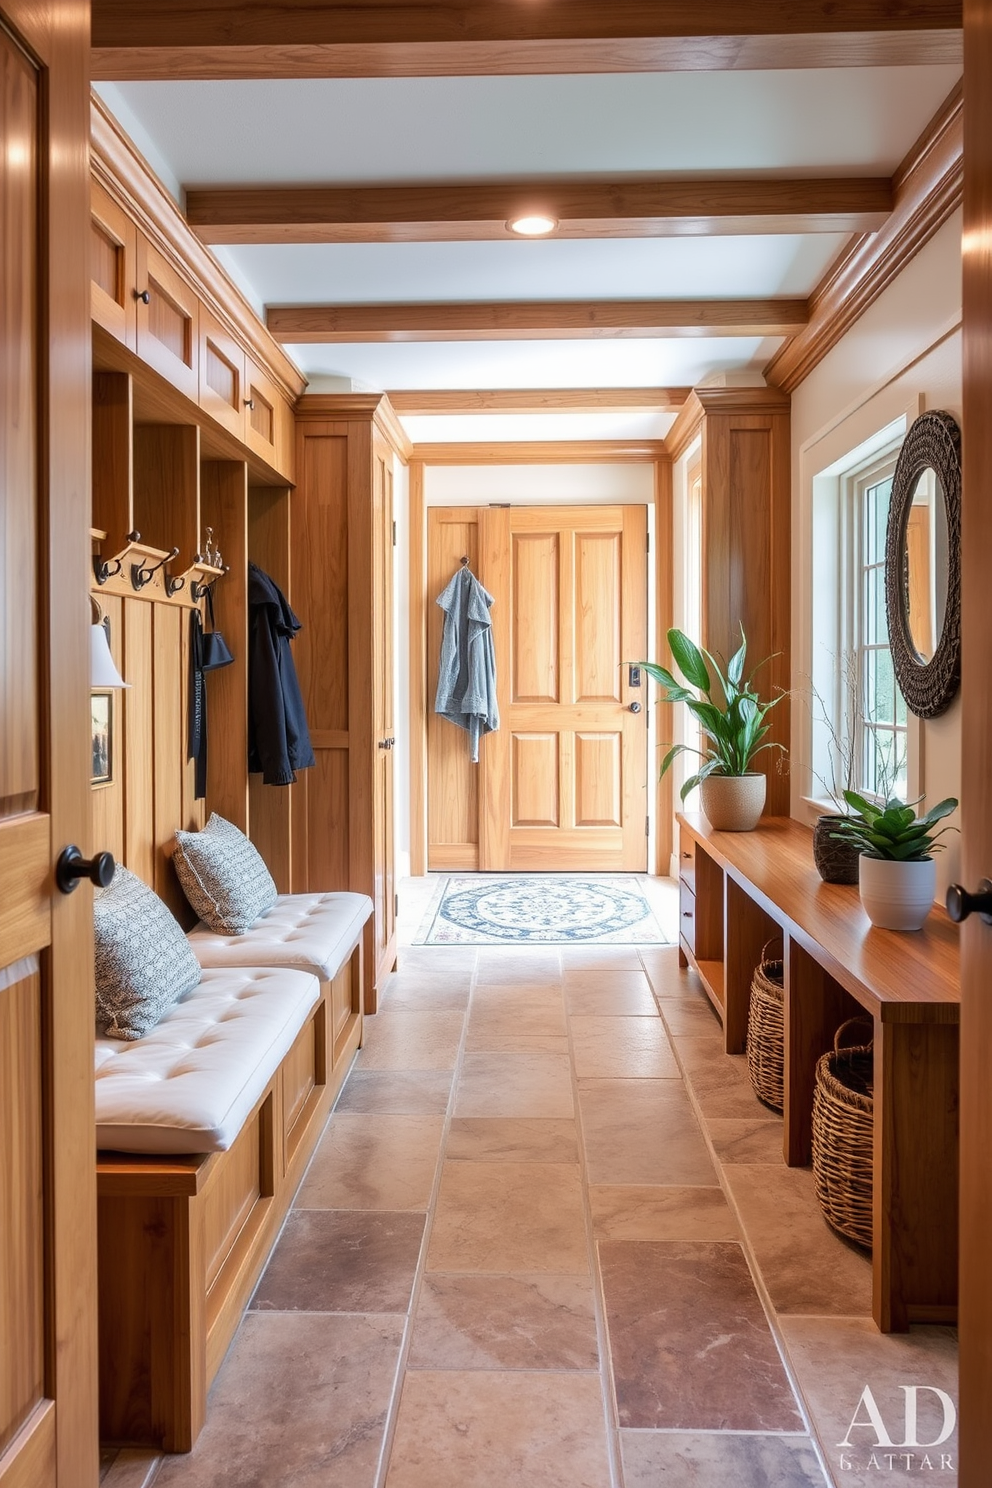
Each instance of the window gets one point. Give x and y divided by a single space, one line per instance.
861 735
881 729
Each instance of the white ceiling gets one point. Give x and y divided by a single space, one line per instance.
858 121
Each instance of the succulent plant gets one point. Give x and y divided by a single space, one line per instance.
893 830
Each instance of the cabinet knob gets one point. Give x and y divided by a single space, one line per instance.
72 866
143 295
250 404
960 904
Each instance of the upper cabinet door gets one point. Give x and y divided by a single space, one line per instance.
168 320
269 425
113 267
222 375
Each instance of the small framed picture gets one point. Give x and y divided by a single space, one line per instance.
102 714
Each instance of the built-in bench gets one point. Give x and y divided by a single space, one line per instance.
205 1127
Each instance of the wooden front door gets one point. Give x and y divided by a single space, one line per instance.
48 1411
562 785
975 1297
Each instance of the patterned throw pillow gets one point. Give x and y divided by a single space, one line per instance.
144 963
223 876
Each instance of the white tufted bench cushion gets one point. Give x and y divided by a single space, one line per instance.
308 932
191 1083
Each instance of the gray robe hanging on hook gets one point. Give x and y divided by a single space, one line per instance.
466 683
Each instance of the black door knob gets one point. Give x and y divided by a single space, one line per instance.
72 866
960 904
634 707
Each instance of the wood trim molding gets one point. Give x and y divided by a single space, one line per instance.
287 38
535 319
927 190
413 402
747 402
124 173
664 831
463 211
418 671
375 407
543 452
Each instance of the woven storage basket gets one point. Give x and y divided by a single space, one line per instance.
766 1032
843 1126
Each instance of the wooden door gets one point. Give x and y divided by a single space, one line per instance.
383 732
48 1413
975 1301
562 785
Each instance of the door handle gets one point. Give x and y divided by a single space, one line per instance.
960 904
72 866
386 743
634 707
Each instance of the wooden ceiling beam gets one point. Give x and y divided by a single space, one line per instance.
135 39
412 402
453 212
523 320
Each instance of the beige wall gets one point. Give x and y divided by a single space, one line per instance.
902 356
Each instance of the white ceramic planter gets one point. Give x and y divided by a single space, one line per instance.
897 896
733 803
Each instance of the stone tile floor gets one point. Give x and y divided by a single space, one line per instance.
547 1241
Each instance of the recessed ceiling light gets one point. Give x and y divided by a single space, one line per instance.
532 226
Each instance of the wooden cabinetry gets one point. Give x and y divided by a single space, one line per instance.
341 520
745 493
740 890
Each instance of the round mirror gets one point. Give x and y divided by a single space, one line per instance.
926 563
923 565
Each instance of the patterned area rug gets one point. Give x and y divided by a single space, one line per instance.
543 909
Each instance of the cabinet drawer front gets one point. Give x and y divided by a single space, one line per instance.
168 331
113 246
687 860
687 917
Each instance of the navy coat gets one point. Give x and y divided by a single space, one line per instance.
278 737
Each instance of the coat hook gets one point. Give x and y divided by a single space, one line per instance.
464 561
140 575
200 591
104 570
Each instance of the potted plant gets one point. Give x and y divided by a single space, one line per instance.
732 718
897 871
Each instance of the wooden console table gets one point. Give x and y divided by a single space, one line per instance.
737 891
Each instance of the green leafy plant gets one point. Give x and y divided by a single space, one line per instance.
726 706
894 830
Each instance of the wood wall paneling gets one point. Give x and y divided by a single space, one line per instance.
224 507
139 741
167 488
113 484
108 800
168 691
417 721
271 818
664 579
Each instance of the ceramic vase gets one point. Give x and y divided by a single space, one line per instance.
733 803
897 896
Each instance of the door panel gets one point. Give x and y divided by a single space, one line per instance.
452 782
570 592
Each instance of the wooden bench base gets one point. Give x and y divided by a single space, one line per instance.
183 1240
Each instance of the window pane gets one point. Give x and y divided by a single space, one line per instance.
883 689
876 626
878 519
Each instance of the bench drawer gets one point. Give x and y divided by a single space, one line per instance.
687 860
687 917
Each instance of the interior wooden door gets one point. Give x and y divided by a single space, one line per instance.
975 1299
48 1415
563 782
384 734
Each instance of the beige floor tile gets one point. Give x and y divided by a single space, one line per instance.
621 1049
504 1322
509 1217
410 1041
128 1467
342 1260
517 1043
691 1015
514 1012
805 1266
752 1141
496 1430
655 1212
511 1139
300 1402
718 1459
506 965
397 1092
618 994
415 992
667 978
373 1162
493 1084
836 1359
578 958
642 1132
436 959
719 1081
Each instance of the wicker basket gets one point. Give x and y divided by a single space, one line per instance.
843 1122
766 1032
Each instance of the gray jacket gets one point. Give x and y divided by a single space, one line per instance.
466 684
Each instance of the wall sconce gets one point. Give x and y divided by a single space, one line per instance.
103 671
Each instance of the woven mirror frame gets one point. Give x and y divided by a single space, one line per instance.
933 442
